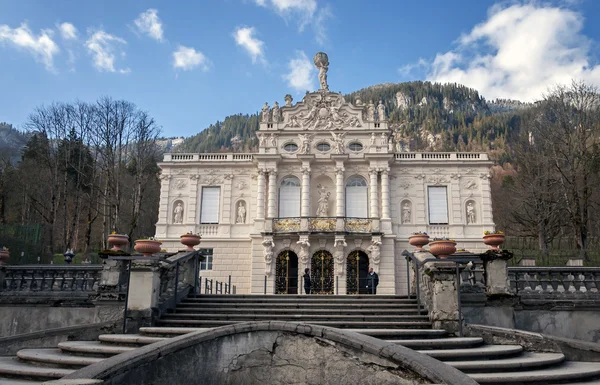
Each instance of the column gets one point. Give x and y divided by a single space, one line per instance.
305 206
192 207
373 189
340 192
272 193
385 194
260 195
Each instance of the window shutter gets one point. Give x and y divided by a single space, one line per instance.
210 205
356 202
438 205
289 201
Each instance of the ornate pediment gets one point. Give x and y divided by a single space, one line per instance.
322 110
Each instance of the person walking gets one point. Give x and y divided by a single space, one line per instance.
372 281
307 282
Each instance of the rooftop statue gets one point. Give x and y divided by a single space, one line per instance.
322 63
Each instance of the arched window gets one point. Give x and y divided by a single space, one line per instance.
289 197
357 202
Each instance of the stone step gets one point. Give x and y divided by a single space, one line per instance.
279 310
12 366
309 318
335 324
169 331
525 361
481 352
439 343
349 297
568 371
296 305
12 381
129 339
93 348
306 299
55 357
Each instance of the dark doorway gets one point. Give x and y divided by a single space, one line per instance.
357 268
286 273
321 270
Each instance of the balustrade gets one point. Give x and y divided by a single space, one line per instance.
47 278
554 279
217 157
323 225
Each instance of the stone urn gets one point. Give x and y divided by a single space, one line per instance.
117 241
189 241
4 254
493 240
418 240
442 248
147 246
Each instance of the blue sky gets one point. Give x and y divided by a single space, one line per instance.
190 63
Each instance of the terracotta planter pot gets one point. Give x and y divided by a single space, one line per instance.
4 254
118 241
190 240
147 247
442 249
493 240
418 240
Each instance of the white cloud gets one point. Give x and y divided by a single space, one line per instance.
42 47
150 24
519 52
408 69
68 31
104 48
303 12
187 58
302 73
244 36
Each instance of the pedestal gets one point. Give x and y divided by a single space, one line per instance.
496 272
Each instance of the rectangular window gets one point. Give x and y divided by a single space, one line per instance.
206 263
289 201
357 202
209 209
438 205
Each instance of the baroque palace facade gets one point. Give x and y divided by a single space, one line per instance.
326 191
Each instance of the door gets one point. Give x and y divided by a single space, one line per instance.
286 273
357 268
321 269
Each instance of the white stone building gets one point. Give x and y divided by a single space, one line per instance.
326 191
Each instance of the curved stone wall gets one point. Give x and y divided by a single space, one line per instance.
273 353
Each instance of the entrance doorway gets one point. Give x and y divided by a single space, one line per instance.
321 271
286 273
357 268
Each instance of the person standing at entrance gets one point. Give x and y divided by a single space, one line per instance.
372 281
307 282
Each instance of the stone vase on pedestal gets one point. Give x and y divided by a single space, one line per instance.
189 241
443 248
494 240
418 240
147 246
117 241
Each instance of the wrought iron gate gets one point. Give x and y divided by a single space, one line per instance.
321 266
357 268
286 273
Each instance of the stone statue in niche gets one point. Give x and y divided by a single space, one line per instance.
276 113
383 139
406 213
265 113
305 139
372 139
178 213
241 213
261 140
338 142
273 140
381 111
323 207
470 213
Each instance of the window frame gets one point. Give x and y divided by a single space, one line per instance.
429 205
202 204
364 185
323 144
207 264
362 147
298 186
290 144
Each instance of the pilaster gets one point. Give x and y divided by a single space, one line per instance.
271 209
374 212
260 194
192 209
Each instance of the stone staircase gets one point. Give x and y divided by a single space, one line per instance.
392 318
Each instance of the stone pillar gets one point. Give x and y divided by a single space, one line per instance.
143 293
305 205
192 207
260 195
385 194
374 195
443 294
271 210
340 204
496 271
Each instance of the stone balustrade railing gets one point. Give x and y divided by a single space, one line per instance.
325 225
440 156
51 278
554 279
217 157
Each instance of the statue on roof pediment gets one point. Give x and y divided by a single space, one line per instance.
323 110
